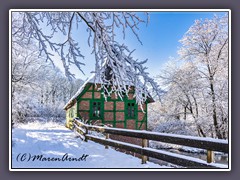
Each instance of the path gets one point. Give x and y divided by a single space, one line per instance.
57 146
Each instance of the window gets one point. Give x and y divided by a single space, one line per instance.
130 110
96 109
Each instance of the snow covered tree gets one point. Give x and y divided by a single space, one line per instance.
179 104
38 89
25 64
45 26
183 99
197 85
206 45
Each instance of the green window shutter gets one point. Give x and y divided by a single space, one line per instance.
96 109
130 110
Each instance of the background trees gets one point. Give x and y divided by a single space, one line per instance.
197 89
38 89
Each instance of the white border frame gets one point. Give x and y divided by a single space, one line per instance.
111 10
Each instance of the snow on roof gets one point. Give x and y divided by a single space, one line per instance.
93 79
96 78
89 80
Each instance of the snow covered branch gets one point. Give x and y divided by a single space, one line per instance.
48 28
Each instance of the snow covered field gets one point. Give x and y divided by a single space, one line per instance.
51 145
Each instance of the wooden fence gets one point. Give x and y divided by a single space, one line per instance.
208 144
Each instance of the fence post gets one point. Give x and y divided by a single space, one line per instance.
86 134
107 137
210 156
144 144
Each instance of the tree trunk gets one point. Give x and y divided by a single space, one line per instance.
200 131
198 126
53 97
185 113
214 110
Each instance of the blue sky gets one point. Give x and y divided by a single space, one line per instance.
160 39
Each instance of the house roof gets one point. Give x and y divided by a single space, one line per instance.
89 80
96 79
93 79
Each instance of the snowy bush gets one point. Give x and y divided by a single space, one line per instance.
23 107
174 127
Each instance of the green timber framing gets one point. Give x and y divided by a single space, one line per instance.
75 109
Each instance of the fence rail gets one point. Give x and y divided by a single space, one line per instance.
209 144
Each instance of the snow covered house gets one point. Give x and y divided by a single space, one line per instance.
90 104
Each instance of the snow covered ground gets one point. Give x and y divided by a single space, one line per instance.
51 145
